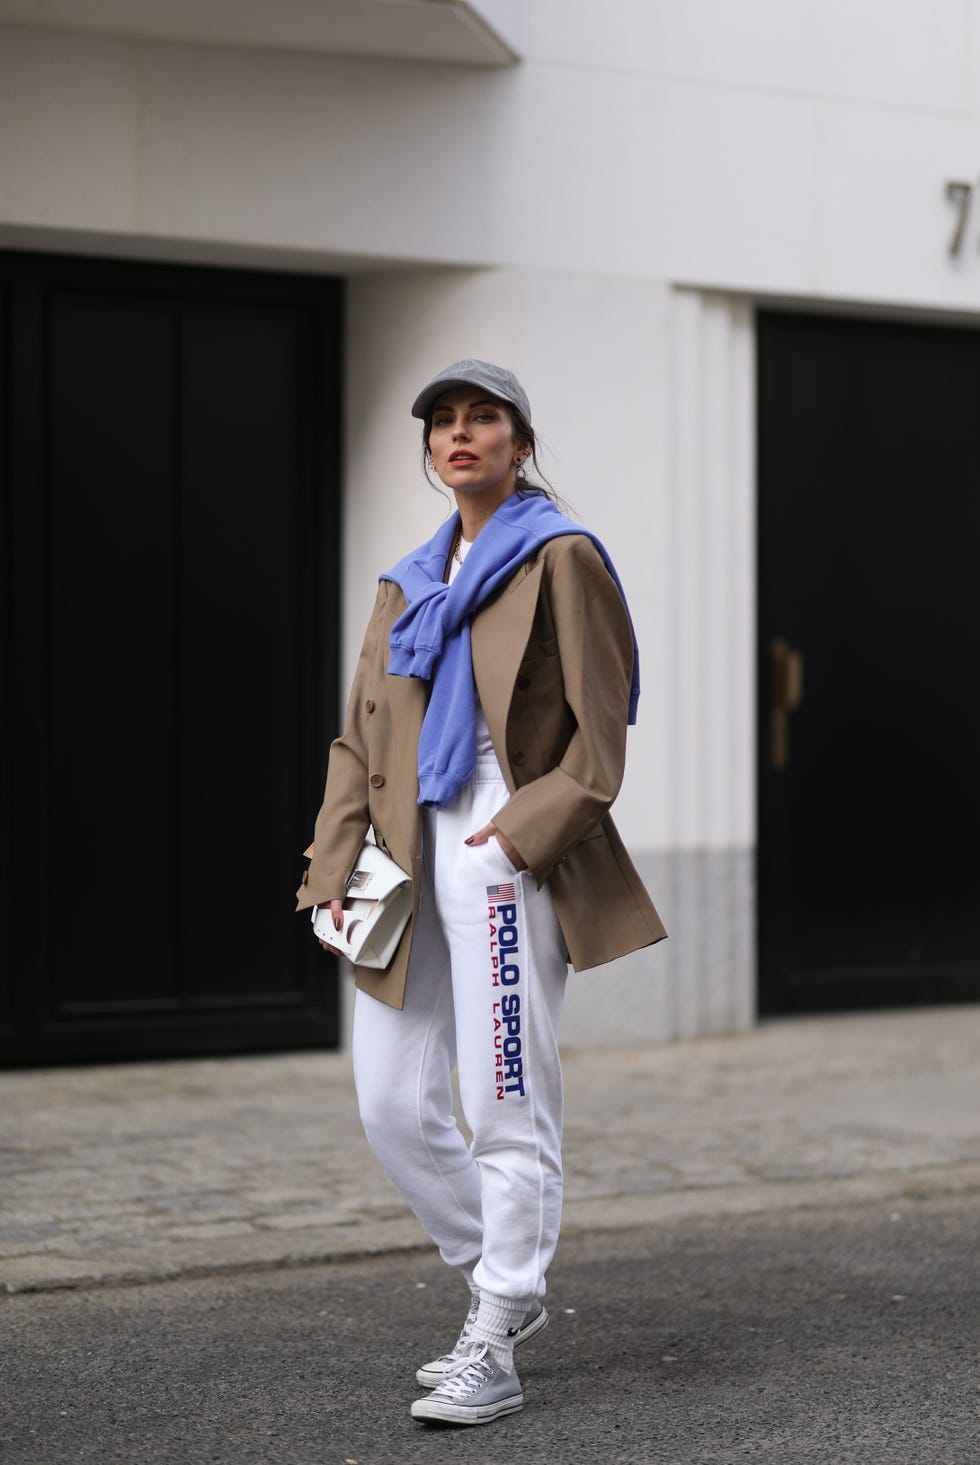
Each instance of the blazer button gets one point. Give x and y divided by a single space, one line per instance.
369 705
523 683
377 780
517 758
304 879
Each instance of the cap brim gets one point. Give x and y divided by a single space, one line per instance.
423 402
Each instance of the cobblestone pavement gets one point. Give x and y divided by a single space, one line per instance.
152 1170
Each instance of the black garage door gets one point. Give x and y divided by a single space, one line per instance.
169 460
869 627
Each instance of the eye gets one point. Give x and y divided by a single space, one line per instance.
441 420
486 416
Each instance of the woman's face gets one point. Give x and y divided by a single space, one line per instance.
472 443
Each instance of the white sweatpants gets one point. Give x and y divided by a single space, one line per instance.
485 987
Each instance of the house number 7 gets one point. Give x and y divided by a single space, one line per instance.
961 194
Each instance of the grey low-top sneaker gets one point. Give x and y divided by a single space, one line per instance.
475 1390
433 1373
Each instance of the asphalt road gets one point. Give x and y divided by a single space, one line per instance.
831 1336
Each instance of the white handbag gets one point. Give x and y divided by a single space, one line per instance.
376 910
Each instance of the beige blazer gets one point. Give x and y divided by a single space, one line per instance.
552 660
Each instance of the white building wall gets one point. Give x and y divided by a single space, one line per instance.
654 387
767 146
602 217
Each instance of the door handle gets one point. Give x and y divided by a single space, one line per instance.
787 693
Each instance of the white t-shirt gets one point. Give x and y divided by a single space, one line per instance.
484 747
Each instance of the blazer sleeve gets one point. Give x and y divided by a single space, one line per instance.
545 817
344 820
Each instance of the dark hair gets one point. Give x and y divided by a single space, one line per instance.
524 433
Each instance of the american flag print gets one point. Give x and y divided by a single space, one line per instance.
500 892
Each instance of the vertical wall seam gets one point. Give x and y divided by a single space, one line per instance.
711 659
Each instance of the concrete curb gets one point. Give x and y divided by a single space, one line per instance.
590 1215
120 1174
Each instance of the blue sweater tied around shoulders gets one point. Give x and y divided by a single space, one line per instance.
431 639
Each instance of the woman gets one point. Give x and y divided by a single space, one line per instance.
484 744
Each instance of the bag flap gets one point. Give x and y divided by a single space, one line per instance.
375 875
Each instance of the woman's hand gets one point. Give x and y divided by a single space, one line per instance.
337 912
482 835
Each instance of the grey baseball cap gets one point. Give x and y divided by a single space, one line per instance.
496 380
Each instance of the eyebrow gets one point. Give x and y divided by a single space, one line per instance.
483 402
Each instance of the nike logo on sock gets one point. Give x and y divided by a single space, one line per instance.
513 1332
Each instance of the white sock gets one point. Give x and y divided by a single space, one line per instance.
497 1323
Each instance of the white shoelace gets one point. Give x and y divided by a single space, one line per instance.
469 1373
465 1335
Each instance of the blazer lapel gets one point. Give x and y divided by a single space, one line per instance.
408 697
500 635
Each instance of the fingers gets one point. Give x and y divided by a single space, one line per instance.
482 835
488 830
337 917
